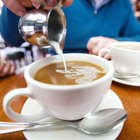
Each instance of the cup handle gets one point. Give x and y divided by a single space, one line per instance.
16 116
102 51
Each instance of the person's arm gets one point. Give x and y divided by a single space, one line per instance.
9 27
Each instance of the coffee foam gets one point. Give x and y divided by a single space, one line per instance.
81 74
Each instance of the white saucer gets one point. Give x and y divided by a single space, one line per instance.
128 82
111 100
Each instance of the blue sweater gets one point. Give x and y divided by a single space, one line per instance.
115 20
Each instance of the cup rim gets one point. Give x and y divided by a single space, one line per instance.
113 45
109 74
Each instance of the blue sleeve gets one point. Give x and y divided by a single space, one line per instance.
9 27
131 27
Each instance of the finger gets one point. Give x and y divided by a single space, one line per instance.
25 3
90 51
107 56
53 3
91 43
104 53
2 64
44 4
3 72
67 2
101 53
98 47
6 70
12 70
15 7
37 3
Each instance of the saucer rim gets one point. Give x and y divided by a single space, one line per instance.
125 82
115 132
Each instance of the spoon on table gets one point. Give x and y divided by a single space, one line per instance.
95 123
126 75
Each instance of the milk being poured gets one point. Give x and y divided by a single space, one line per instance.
59 52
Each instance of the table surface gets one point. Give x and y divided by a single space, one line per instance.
129 95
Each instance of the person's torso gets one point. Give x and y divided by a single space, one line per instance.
83 22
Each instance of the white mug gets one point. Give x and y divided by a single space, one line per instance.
67 102
125 56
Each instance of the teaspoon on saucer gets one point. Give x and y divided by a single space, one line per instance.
125 75
95 123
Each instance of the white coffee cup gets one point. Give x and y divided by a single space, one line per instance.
67 102
125 56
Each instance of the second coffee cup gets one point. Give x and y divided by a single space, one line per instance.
125 57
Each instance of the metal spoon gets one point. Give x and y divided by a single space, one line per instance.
126 75
95 123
